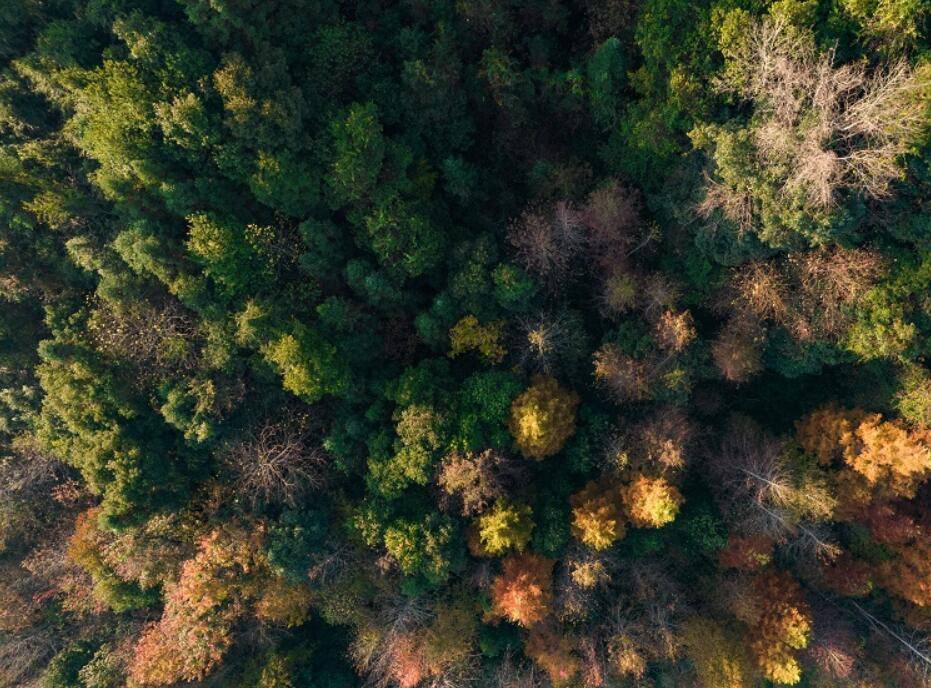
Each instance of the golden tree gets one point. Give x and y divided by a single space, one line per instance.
719 659
651 502
543 417
597 519
507 525
470 335
782 625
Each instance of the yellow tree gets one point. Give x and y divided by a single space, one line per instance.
719 659
783 625
597 519
651 502
543 418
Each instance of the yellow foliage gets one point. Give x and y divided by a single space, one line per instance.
596 516
543 418
652 502
719 659
470 335
283 603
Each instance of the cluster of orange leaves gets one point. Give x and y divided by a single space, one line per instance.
886 454
523 592
783 625
212 592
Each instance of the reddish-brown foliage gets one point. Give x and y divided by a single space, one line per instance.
523 592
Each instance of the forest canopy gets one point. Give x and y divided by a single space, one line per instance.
451 343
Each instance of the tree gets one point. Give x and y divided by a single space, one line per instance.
783 625
547 242
422 548
674 331
469 334
543 418
651 502
747 553
719 659
818 130
554 654
597 519
474 478
309 364
908 574
83 421
507 525
358 153
885 453
736 352
664 438
626 377
523 591
87 548
196 628
273 462
770 493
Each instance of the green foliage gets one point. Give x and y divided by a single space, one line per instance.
631 297
64 668
293 540
423 549
309 365
121 449
504 527
358 154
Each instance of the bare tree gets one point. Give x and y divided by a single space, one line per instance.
767 495
810 294
275 462
664 438
474 478
547 242
737 349
823 128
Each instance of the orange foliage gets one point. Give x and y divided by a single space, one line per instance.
783 625
407 663
908 573
746 553
553 653
524 590
825 433
886 454
195 630
889 456
674 331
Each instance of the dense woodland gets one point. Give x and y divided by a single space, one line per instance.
449 343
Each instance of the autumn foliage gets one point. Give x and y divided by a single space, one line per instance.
523 591
782 626
543 418
597 516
